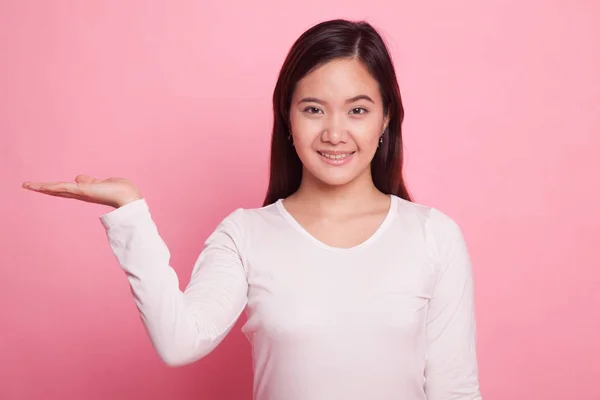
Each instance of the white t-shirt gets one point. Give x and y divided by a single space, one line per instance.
391 318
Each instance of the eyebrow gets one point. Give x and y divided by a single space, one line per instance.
350 100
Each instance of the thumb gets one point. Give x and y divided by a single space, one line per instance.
85 179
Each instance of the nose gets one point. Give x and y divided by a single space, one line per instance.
334 131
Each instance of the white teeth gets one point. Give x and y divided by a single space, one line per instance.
335 156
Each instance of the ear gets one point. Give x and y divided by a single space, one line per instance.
386 122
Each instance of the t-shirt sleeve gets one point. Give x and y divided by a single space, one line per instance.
183 326
451 370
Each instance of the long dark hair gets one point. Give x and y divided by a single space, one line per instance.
318 45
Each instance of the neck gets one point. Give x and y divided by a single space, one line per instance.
337 199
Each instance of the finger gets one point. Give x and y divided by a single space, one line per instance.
85 179
61 194
37 185
54 187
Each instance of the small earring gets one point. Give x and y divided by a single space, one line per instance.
290 138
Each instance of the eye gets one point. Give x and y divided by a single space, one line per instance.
312 110
358 110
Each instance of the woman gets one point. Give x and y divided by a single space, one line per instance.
352 290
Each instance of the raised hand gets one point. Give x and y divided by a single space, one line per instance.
113 192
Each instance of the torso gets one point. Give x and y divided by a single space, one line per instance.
328 304
345 230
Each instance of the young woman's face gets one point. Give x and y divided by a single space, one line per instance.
337 118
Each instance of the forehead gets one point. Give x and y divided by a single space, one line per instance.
338 79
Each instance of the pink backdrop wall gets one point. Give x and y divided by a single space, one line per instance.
502 132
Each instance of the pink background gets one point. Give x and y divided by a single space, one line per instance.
502 132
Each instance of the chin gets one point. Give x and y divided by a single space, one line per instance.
335 181
334 178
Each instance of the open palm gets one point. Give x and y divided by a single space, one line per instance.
114 192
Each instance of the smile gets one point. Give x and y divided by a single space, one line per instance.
336 158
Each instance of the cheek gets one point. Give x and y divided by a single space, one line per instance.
368 139
304 126
305 131
304 148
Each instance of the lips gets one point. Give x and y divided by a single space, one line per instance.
336 158
336 155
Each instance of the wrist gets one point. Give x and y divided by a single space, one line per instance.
127 200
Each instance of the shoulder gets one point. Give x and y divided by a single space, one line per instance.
440 229
246 218
244 223
429 216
